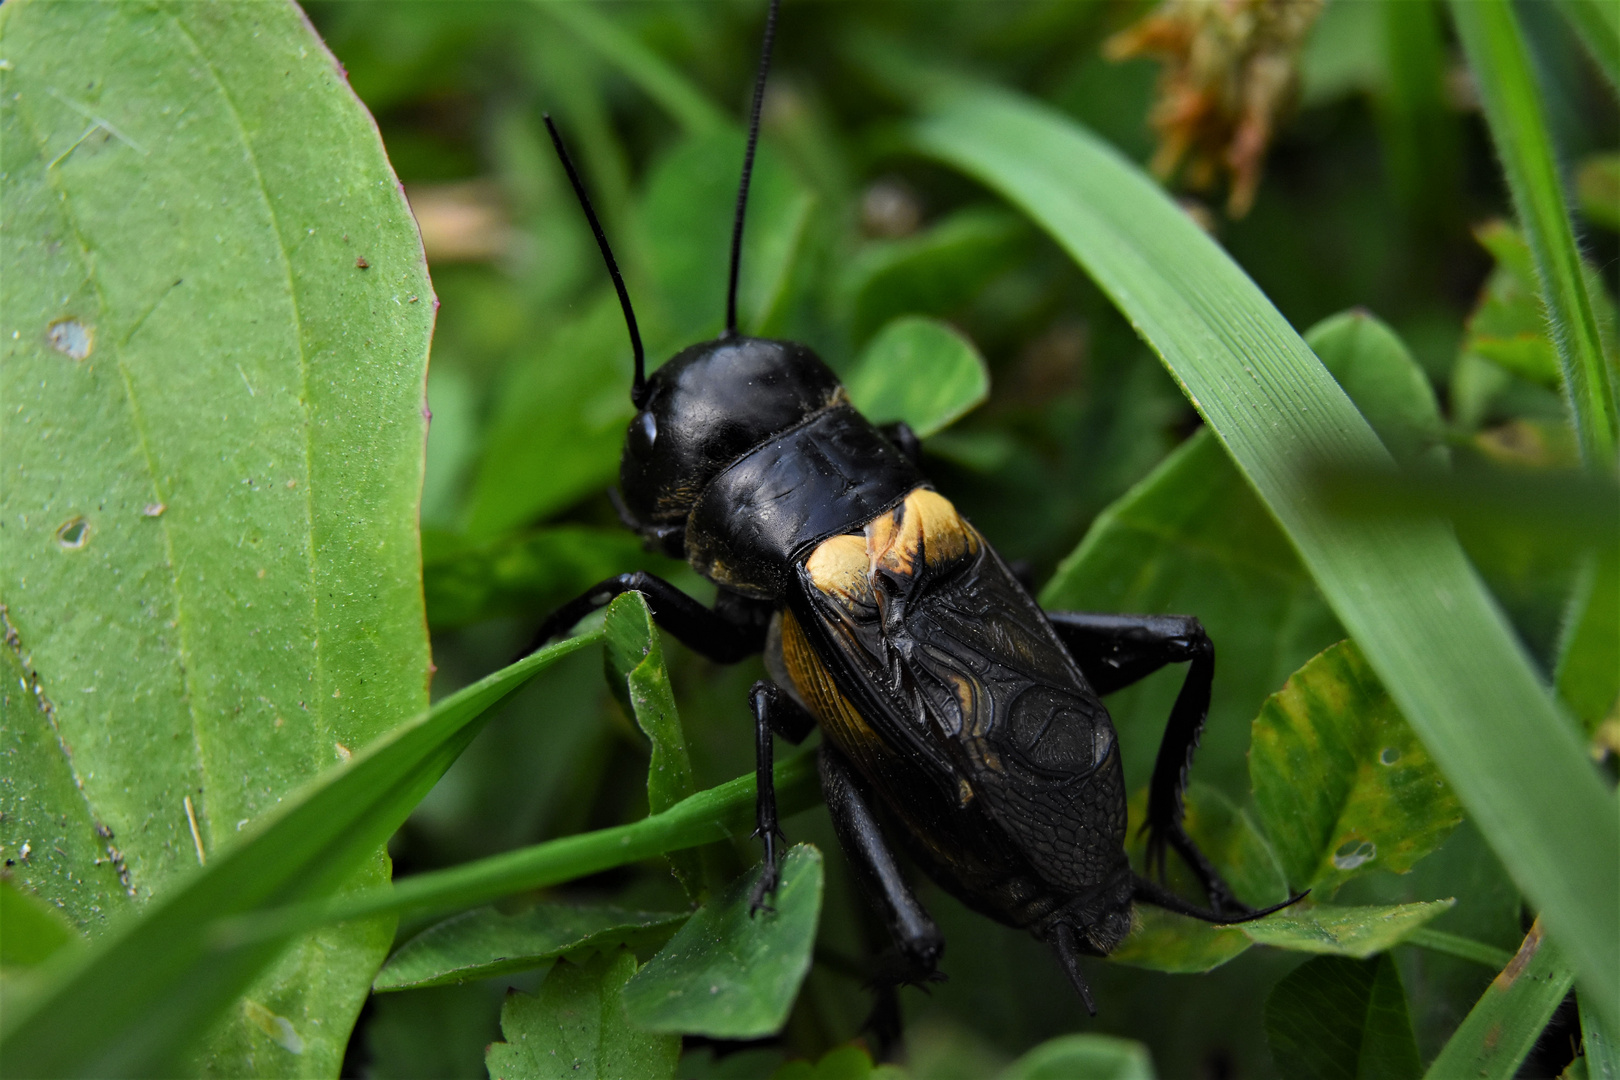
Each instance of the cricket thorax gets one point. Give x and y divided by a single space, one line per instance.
827 475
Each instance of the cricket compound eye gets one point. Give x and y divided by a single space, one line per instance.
642 436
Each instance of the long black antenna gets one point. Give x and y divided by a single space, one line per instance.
638 389
748 167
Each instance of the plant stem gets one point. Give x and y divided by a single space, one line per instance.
1461 947
1496 55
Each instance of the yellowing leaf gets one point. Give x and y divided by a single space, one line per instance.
1342 784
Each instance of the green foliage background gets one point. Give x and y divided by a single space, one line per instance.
868 240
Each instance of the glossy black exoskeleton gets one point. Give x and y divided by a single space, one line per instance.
958 717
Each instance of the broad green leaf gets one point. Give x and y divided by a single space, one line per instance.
558 424
634 660
526 573
1191 538
1406 592
729 973
1504 1024
1095 1057
575 1029
1597 186
130 1006
935 272
483 942
1334 1018
1343 931
434 1034
921 371
1164 941
1381 377
217 319
30 929
839 1063
1342 784
1500 64
687 214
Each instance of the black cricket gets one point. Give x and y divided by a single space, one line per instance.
957 716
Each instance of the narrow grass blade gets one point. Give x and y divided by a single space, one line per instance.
714 814
1503 1025
1405 591
1501 66
1597 24
1456 945
673 92
131 1005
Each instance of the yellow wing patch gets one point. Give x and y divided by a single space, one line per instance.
839 567
925 526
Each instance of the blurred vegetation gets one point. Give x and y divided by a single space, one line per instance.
1380 192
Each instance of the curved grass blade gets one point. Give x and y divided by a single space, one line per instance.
713 814
1406 593
1501 66
131 1005
1597 24
671 89
1503 1025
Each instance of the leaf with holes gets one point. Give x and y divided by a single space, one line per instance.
216 326
1341 783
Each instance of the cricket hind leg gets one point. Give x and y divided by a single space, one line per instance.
917 940
1114 651
775 713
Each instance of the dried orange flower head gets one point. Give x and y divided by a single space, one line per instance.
1230 69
